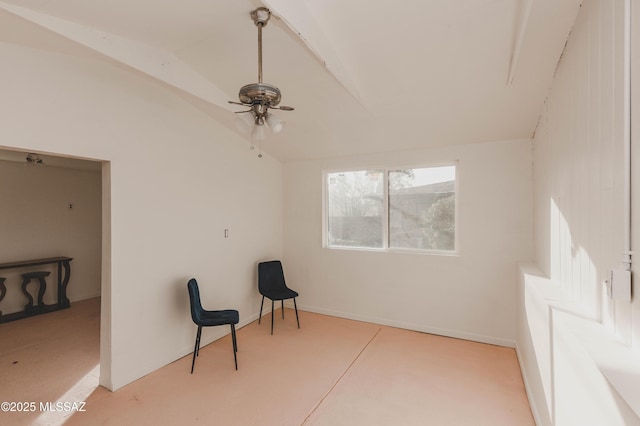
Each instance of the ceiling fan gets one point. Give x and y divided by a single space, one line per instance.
259 97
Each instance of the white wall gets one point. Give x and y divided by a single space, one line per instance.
469 296
177 179
37 223
578 163
578 197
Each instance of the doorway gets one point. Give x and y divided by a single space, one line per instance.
58 206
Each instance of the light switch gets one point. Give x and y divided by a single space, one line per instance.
620 281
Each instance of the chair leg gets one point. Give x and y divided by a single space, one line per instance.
296 306
261 303
233 338
196 348
282 308
271 316
198 340
235 344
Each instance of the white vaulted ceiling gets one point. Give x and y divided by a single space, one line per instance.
364 76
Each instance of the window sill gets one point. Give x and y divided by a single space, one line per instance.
616 361
608 355
397 251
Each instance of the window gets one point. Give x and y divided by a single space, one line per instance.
356 209
412 209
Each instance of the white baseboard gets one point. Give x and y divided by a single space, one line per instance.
414 327
527 387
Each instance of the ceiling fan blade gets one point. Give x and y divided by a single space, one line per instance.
237 103
242 112
285 108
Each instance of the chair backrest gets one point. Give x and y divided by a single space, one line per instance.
194 299
270 276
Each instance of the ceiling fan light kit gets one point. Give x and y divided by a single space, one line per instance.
260 97
33 160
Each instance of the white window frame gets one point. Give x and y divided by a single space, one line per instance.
386 218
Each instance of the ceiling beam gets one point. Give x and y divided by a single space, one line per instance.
296 15
524 12
152 61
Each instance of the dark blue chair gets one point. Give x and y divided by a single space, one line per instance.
271 285
204 318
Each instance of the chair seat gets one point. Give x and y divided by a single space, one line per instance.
280 293
210 318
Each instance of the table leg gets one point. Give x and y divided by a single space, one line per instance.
3 291
63 301
29 304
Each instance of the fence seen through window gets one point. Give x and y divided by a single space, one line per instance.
392 209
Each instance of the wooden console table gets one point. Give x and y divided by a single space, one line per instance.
63 281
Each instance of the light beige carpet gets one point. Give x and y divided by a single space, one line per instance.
330 372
